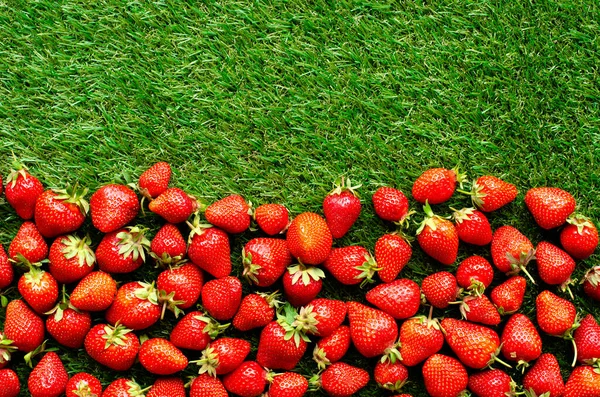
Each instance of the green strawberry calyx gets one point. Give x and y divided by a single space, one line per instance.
462 215
83 390
367 269
320 357
6 348
147 292
209 362
136 390
295 324
531 393
304 273
494 359
168 301
212 327
80 248
343 184
133 243
64 304
114 335
581 222
250 269
17 169
592 276
71 194
518 264
196 227
430 219
461 177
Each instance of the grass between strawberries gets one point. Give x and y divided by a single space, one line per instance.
275 99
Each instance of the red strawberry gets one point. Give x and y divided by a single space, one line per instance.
472 226
135 306
255 311
155 180
444 376
555 266
223 356
207 386
373 332
231 214
436 185
6 350
287 384
549 206
272 218
332 348
475 273
580 237
160 357
479 309
329 314
168 246
221 297
343 380
195 331
49 378
400 298
390 376
115 347
420 338
309 238
475 346
181 285
7 272
511 251
392 253
122 251
28 244
247 380
22 190
23 326
95 292
520 340
583 382
490 193
39 289
10 383
112 207
123 388
438 238
555 316
544 378
508 296
167 387
341 208
174 205
60 211
83 385
351 265
209 249
265 260
587 340
390 204
71 258
302 284
591 283
491 383
440 289
67 325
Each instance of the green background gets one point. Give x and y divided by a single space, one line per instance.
275 99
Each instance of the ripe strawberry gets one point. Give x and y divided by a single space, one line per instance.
554 265
155 180
222 297
207 386
302 284
479 309
49 377
420 338
160 357
122 251
28 244
591 283
490 193
23 326
168 246
7 272
309 238
544 378
180 287
583 382
255 311
438 238
343 380
555 316
247 380
444 376
22 190
390 376
60 211
332 348
209 249
400 298
223 356
83 385
272 218
95 292
392 253
167 387
341 208
71 258
135 306
329 314
436 185
6 350
287 384
174 205
472 226
67 325
587 340
549 206
351 265
508 296
580 237
511 251
39 289
112 207
491 383
195 331
115 347
520 340
440 289
475 346
10 383
123 388
390 204
373 332
475 273
231 214
265 260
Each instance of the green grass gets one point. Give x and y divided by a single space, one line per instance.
275 99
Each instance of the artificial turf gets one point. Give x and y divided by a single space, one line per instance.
275 99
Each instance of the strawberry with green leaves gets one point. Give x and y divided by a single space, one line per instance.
49 377
391 204
475 273
436 185
584 381
301 284
440 289
222 297
11 386
438 237
472 226
7 272
580 237
521 341
341 208
420 338
492 383
22 190
265 260
479 309
587 340
392 253
287 384
444 376
95 292
231 213
272 218
60 211
135 306
180 287
124 388
223 356
544 378
208 248
342 380
554 265
123 251
161 357
550 206
390 376
327 315
113 346
508 296
511 251
195 331
332 348
591 283
309 238
490 193
6 350
112 207
374 332
39 289
67 325
168 248
28 245
207 386
83 384
247 380
351 265
23 326
400 299
167 387
155 180
71 258
174 205
255 311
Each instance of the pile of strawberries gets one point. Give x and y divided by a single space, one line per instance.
198 287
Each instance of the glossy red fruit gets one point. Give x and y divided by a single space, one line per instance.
373 331
68 326
549 206
472 226
555 316
182 285
39 289
23 326
60 212
123 388
554 265
444 376
168 246
223 356
265 260
511 251
122 251
195 331
247 380
490 193
222 297
209 250
161 357
115 347
479 309
390 376
22 191
587 340
491 383
49 377
302 284
440 289
436 185
475 346
83 384
332 348
71 258
28 244
112 207
10 383
95 292
545 377
521 341
438 237
475 273
390 204
328 314
155 180
231 214
580 237
173 205
392 253
591 283
583 382
272 218
287 384
420 338
167 387
351 265
7 272
508 296
400 298
135 306
309 238
255 311
343 380
341 208
207 386
277 352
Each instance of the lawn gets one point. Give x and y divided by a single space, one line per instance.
275 99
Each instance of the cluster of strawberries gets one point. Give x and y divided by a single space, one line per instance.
199 270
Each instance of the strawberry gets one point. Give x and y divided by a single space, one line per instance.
329 314
440 289
155 180
341 208
39 289
113 346
160 357
49 377
583 382
490 193
591 283
437 237
309 238
351 265
222 297
479 309
554 265
60 211
472 226
332 348
508 296
180 286
580 237
123 388
174 205
400 298
231 214
10 383
520 340
265 260
135 306
544 378
343 380
23 327
6 350
208 248
22 191
555 316
587 340
195 331
168 246
167 387
390 204
475 273
272 218
373 332
95 292
436 185
207 386
444 376
420 338
7 272
255 311
491 383
392 253
247 380
390 376
549 206
511 251
223 356
112 207
28 244
122 251
475 346
83 385
302 284
287 384
71 258
67 325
